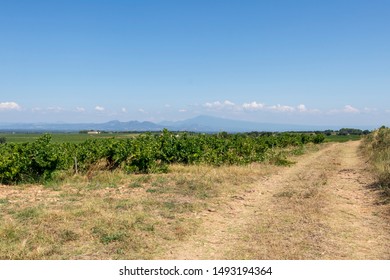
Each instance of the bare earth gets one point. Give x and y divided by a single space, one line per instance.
322 207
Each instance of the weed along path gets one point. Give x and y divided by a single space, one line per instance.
322 207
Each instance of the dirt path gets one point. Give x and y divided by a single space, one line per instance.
322 207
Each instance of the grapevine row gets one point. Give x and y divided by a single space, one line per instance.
146 153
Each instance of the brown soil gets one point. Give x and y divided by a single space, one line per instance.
322 207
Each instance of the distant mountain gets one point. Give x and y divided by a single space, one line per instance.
197 124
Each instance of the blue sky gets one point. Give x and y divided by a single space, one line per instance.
303 62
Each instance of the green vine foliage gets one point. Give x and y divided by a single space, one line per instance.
146 153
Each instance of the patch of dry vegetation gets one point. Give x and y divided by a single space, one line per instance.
320 208
290 221
113 215
376 147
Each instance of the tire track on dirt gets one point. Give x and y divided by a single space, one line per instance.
360 226
319 208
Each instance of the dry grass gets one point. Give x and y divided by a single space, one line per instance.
112 215
323 208
289 224
376 148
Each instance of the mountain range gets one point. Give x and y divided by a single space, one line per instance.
198 124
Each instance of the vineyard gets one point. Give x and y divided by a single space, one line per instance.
38 161
194 196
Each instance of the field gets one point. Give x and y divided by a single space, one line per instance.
342 138
319 202
60 137
81 137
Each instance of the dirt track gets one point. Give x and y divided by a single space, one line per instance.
322 207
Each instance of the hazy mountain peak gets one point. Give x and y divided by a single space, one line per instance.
201 123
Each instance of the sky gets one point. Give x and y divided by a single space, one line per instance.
298 62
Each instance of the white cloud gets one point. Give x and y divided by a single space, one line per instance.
370 110
253 106
36 109
141 110
182 110
350 109
213 104
6 106
258 106
55 109
282 108
228 103
99 108
124 110
219 105
80 109
302 108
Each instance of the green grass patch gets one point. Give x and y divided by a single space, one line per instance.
29 213
342 138
4 201
69 235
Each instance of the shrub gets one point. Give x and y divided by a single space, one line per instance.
376 146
